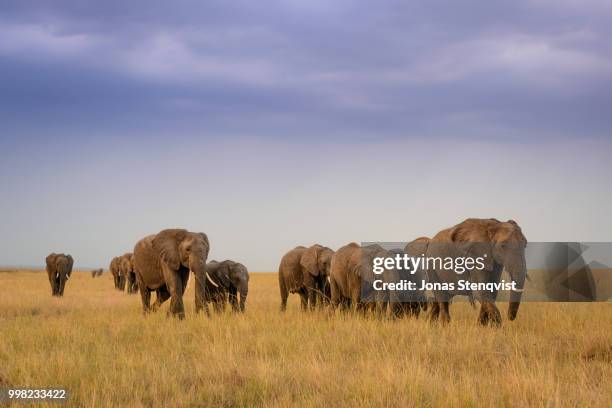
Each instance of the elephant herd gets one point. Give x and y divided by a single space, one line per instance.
345 277
162 263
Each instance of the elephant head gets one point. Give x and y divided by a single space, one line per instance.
316 264
316 260
179 247
501 243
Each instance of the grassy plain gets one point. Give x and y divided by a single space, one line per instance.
96 343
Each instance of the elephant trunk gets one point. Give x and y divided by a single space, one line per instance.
244 291
199 271
517 273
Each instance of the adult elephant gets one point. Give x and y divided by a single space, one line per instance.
352 279
163 262
59 269
115 270
126 270
500 245
96 272
305 271
224 280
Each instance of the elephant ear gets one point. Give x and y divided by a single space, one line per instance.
418 247
70 263
223 274
474 243
310 260
50 260
206 242
166 245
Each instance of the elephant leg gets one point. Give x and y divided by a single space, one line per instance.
62 285
162 295
489 314
415 309
233 298
130 288
216 303
283 293
435 312
176 287
145 296
335 295
202 295
312 298
303 299
243 299
358 305
444 312
52 283
57 285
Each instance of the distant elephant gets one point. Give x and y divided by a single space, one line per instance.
352 279
227 279
96 272
59 269
126 270
500 245
163 262
115 269
305 271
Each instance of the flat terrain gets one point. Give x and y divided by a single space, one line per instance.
96 343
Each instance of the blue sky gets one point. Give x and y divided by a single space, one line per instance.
271 124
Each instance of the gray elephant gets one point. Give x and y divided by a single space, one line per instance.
499 245
126 270
59 269
224 280
115 269
352 279
96 272
305 271
163 263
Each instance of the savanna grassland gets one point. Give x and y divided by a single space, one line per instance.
96 343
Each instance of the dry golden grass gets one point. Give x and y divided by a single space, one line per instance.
96 343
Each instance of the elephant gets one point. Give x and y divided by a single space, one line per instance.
352 279
96 272
227 278
163 262
500 245
305 271
59 269
115 269
126 270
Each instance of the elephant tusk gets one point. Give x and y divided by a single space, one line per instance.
518 290
211 281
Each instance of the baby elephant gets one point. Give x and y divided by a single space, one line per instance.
223 279
59 269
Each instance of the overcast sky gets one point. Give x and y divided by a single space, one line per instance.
275 123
